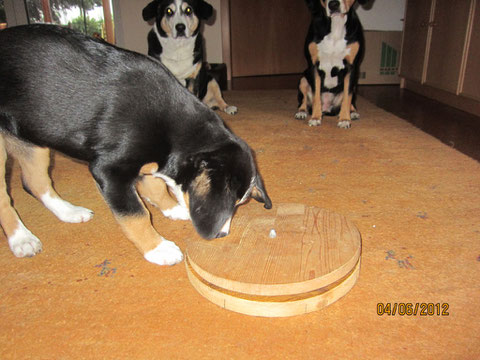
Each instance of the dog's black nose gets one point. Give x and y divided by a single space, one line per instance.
180 28
334 5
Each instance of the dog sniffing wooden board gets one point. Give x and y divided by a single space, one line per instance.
313 260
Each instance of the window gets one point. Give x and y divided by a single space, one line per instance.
92 17
3 17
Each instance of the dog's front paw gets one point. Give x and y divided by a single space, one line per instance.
75 214
23 243
354 115
65 211
167 253
314 122
231 110
177 213
344 124
301 115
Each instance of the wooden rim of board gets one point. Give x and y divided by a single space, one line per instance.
274 306
313 260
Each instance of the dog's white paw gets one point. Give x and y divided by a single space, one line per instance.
65 211
344 124
231 110
354 115
177 213
301 115
167 253
314 122
23 243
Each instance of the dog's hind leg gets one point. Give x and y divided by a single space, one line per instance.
34 162
21 241
117 185
214 98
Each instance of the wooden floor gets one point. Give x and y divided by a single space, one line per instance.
453 127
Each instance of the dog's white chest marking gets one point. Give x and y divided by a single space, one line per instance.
332 50
177 55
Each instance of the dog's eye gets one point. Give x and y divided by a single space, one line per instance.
169 12
188 11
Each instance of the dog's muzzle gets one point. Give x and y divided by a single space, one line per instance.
180 29
225 229
334 6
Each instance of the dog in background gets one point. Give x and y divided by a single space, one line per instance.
140 131
334 48
176 41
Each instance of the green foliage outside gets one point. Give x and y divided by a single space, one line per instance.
93 25
34 8
83 23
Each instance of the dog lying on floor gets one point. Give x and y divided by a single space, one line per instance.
134 124
333 48
176 41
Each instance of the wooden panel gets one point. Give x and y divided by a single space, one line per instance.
460 102
267 37
471 84
288 81
415 35
226 51
449 30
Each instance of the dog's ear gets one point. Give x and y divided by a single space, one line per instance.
362 2
260 194
314 6
205 10
150 11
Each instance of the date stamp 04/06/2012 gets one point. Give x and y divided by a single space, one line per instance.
413 309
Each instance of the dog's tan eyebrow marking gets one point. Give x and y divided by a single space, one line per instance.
202 183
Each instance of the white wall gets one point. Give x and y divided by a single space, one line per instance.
212 32
130 29
382 15
15 11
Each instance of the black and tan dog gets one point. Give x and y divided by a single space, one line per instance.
175 40
333 48
138 129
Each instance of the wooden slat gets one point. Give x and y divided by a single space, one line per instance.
267 37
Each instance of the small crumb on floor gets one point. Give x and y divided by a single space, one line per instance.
273 234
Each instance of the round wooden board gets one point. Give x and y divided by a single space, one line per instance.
312 262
